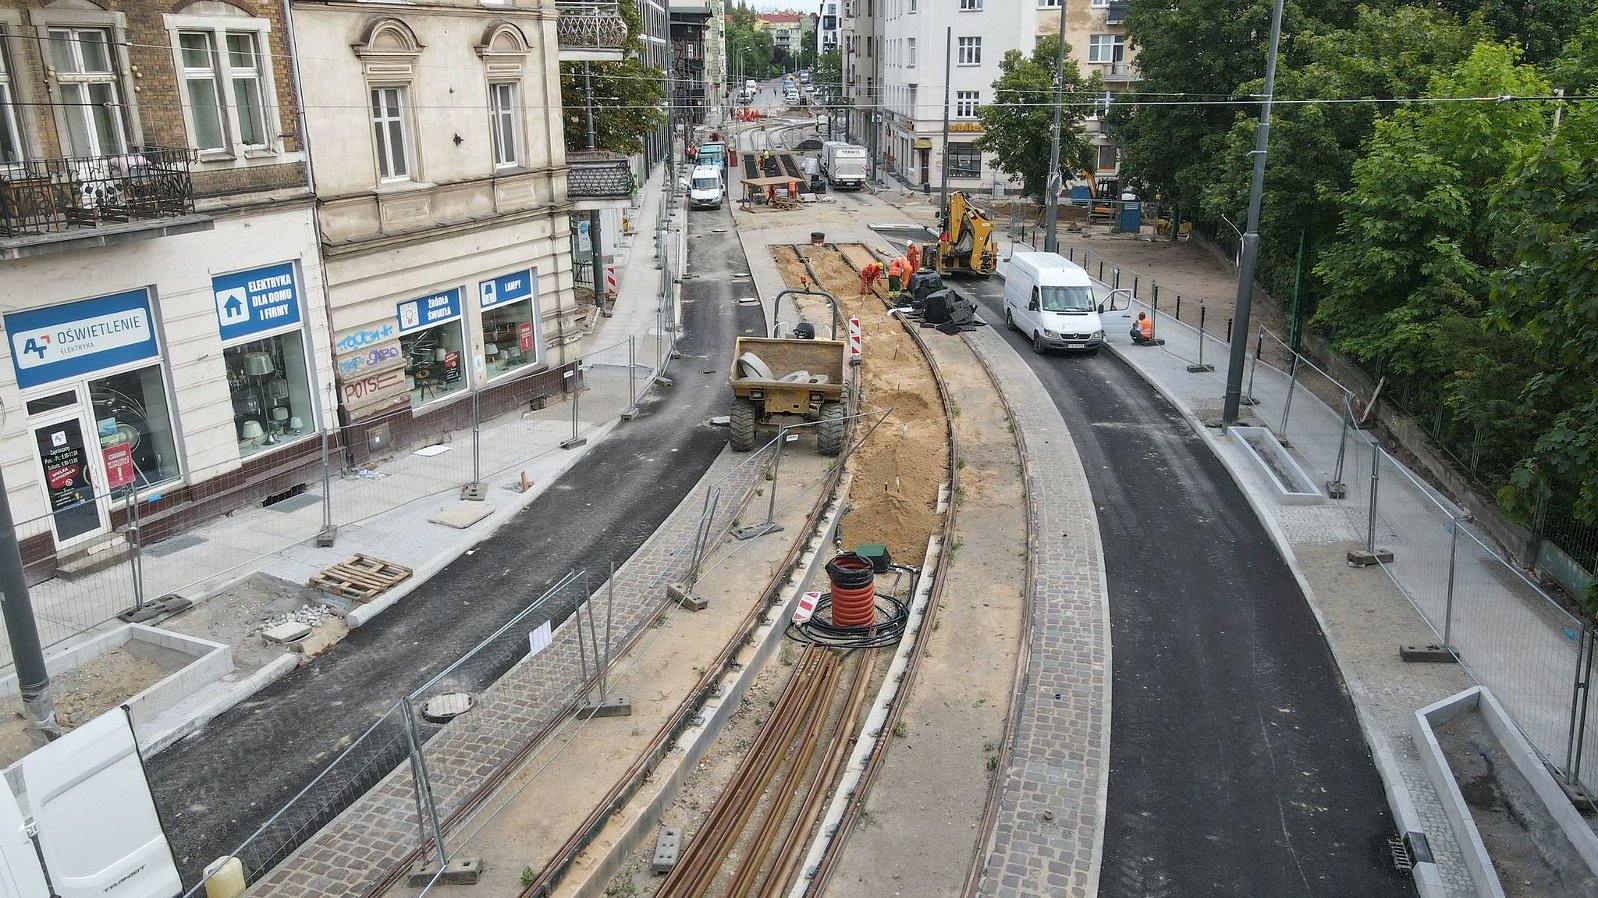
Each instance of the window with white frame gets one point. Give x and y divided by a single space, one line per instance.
965 103
391 132
970 51
225 84
1050 4
504 120
1108 157
1100 4
10 131
1106 48
910 52
87 89
970 5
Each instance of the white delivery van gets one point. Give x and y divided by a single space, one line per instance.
705 188
844 164
1051 300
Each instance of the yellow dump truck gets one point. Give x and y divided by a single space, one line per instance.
800 378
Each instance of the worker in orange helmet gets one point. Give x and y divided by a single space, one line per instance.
869 276
1143 330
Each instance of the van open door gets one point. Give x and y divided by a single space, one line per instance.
99 831
20 873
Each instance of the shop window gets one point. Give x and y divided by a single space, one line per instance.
509 341
433 361
270 390
965 161
131 408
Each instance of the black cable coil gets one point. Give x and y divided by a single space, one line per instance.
892 615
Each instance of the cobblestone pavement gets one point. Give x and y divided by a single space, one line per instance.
1048 835
351 854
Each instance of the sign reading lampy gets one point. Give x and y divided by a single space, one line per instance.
77 338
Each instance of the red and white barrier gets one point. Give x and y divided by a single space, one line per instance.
854 339
610 280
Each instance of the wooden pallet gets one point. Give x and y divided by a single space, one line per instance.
361 578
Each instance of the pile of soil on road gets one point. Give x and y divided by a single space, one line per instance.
899 470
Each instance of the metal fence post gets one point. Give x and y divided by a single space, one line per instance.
329 532
1448 602
1201 367
1580 699
770 525
426 810
136 548
1259 342
576 377
1376 482
701 535
1335 488
475 491
1292 381
632 371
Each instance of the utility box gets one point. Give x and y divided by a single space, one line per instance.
1131 218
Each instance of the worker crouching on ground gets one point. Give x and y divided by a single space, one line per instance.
1142 330
898 275
868 278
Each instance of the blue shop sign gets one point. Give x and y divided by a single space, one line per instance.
426 311
261 299
81 337
505 288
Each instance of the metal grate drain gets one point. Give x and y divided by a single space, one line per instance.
1399 852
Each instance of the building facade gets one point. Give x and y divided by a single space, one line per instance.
441 182
167 334
699 56
828 25
895 53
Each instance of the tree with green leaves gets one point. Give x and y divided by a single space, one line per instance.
1016 125
1540 27
1407 279
628 96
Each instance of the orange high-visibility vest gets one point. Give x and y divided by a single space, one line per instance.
1146 327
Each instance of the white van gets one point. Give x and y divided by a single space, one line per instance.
705 187
1051 300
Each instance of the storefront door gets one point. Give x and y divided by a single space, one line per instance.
67 459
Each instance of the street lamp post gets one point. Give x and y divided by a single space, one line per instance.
1051 240
1251 237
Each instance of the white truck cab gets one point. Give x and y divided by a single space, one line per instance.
705 188
1051 300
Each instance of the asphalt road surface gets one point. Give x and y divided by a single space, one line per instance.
1236 762
216 788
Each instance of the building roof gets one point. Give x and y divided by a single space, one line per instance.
780 18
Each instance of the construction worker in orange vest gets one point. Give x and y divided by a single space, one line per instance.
868 278
898 273
912 254
1142 330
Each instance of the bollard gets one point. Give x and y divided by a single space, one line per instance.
1178 307
1228 331
1117 283
1134 286
1101 271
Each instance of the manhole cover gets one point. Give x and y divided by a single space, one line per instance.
450 705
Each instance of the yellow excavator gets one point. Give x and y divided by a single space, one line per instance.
967 244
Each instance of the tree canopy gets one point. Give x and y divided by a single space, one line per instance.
629 96
1017 124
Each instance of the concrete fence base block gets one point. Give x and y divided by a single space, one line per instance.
474 492
1427 653
1362 558
327 537
679 593
462 871
615 706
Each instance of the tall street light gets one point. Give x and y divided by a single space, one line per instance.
1251 236
1051 240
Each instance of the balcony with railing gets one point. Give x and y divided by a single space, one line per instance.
598 179
48 204
1119 72
592 31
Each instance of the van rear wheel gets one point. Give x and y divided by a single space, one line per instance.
1009 320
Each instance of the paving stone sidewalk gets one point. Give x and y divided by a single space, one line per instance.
354 852
1048 834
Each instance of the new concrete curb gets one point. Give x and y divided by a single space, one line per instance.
263 677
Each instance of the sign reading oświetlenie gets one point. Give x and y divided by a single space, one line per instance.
261 299
77 338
